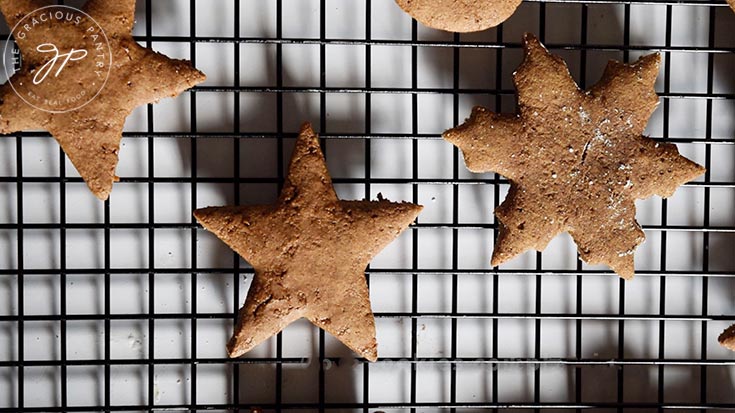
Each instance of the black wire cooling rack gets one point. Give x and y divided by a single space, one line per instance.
705 382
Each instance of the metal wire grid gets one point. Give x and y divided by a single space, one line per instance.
239 138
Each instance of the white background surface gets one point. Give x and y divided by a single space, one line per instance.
389 159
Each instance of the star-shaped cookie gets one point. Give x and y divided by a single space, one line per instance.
732 4
460 16
576 160
309 251
90 135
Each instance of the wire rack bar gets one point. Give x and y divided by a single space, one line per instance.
418 405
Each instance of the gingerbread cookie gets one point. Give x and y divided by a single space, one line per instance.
727 338
309 251
576 160
732 4
80 76
460 15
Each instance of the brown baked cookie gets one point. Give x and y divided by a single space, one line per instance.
84 101
576 159
309 251
460 15
727 338
732 4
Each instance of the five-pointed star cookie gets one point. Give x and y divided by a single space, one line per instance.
576 160
91 134
309 251
732 4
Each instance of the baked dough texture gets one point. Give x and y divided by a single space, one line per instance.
309 251
727 338
90 136
576 159
460 16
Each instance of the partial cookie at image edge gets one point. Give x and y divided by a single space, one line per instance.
91 134
727 338
463 16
